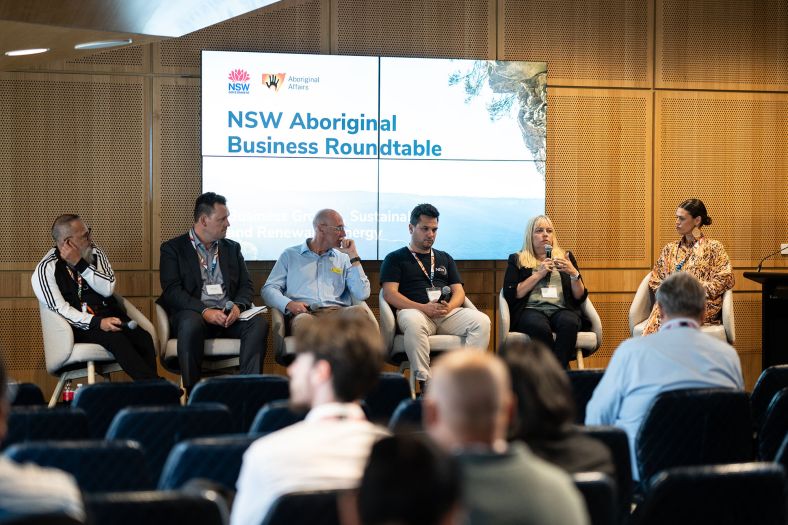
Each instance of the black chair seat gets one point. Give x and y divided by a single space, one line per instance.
407 417
217 459
583 384
40 423
618 443
315 508
775 426
771 381
599 493
384 398
274 416
154 508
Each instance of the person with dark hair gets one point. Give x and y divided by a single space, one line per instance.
546 411
544 290
205 287
693 253
408 480
679 356
76 280
29 489
413 279
338 360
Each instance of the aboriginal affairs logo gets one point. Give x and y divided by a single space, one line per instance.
239 82
274 80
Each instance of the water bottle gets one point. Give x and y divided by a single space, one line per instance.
68 393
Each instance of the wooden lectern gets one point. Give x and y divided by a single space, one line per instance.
774 315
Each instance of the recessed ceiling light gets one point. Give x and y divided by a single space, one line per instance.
22 52
103 44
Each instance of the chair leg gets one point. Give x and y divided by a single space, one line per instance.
405 365
91 372
580 364
58 390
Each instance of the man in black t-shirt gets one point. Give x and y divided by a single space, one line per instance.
413 279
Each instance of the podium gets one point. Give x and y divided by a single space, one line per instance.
774 315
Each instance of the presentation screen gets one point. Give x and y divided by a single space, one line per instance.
286 135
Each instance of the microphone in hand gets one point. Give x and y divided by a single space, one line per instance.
129 325
445 294
228 307
548 251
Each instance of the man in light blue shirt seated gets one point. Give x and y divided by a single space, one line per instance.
678 356
322 275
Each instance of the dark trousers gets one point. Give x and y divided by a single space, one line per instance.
133 349
192 331
539 326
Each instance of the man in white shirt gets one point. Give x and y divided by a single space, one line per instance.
679 356
338 359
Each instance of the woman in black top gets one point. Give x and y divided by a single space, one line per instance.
544 290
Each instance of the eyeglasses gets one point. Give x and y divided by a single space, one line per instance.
335 228
85 236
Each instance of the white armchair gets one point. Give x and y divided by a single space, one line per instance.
68 360
644 301
587 342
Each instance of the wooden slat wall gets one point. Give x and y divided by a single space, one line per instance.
650 102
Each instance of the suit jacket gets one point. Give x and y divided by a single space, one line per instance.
181 279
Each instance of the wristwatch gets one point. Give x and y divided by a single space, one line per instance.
575 277
355 260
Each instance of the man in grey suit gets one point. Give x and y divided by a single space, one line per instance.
205 287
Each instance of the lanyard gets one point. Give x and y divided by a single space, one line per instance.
78 278
430 275
203 261
690 253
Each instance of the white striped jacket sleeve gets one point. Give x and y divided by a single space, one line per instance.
100 276
46 289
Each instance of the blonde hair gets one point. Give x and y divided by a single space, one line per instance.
526 257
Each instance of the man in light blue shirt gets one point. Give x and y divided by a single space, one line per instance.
678 356
321 275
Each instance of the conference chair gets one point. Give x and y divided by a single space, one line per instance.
771 381
385 396
617 442
284 344
599 493
67 360
644 301
315 508
702 426
97 465
40 423
48 518
775 427
216 459
407 417
715 495
158 429
156 508
583 382
274 416
102 401
781 458
243 395
219 354
587 342
26 394
394 341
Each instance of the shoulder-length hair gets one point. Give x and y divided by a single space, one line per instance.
526 256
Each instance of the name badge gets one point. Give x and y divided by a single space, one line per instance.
213 289
433 294
550 292
336 270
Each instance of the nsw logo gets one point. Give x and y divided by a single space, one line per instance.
239 82
274 80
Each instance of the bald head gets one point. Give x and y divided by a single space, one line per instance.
469 400
326 216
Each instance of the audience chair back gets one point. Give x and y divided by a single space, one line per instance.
771 381
694 427
274 416
781 458
618 443
102 401
775 427
315 508
28 394
583 384
643 303
97 465
719 495
216 459
156 508
219 353
407 417
588 341
45 424
243 395
49 518
158 429
599 493
385 396
67 360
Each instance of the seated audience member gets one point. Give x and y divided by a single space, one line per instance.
678 356
410 481
546 411
320 276
204 288
30 489
338 359
413 278
544 290
467 410
76 280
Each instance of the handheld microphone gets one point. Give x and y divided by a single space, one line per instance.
760 264
548 251
129 325
445 294
228 307
313 307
